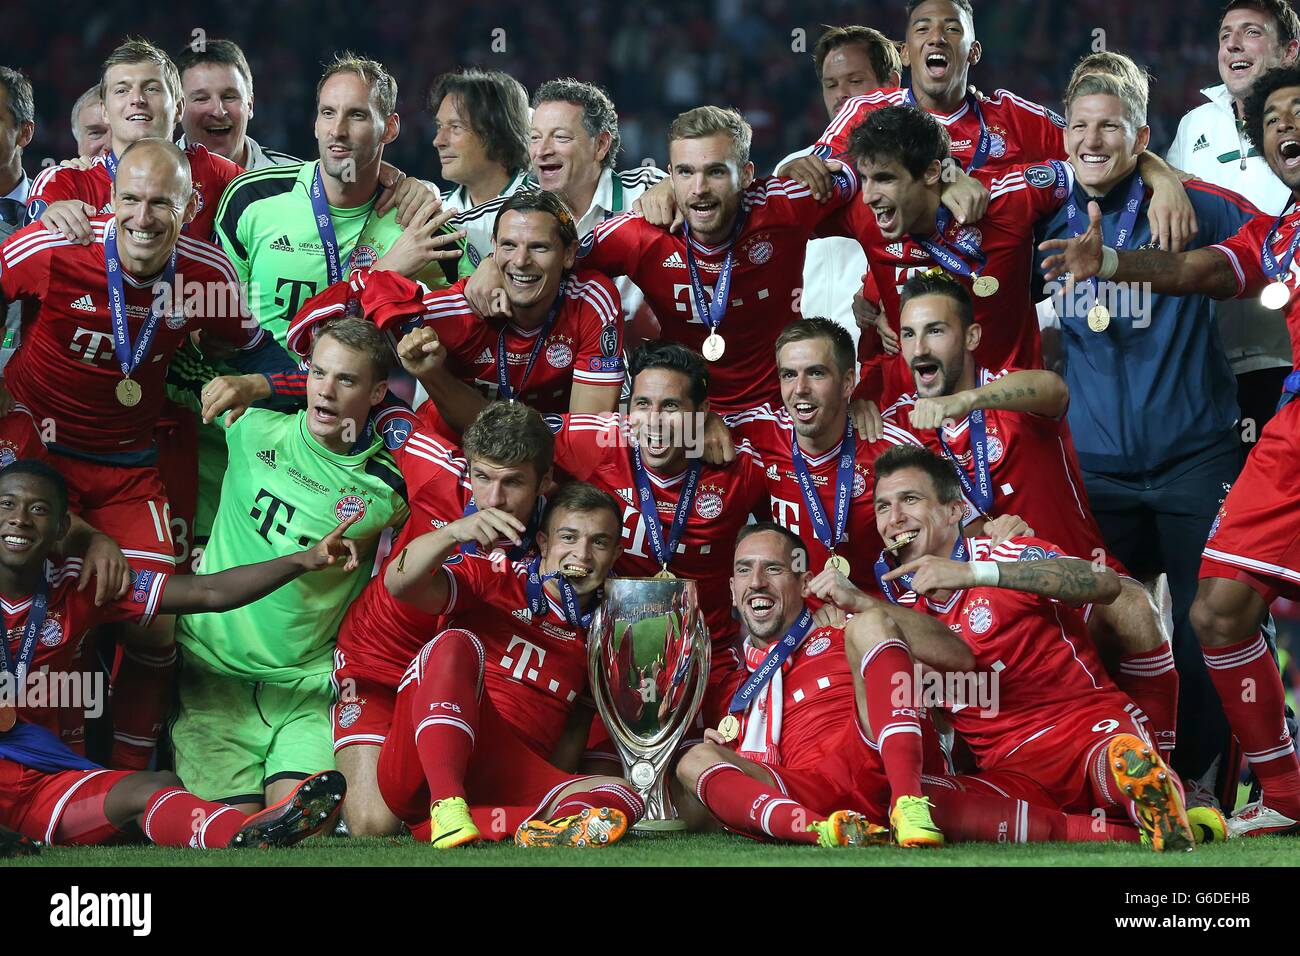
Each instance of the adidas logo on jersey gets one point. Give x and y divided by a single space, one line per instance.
675 261
83 304
1201 143
772 473
267 457
626 495
523 614
894 249
282 245
486 358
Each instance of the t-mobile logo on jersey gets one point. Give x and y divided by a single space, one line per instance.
521 668
268 514
786 514
91 346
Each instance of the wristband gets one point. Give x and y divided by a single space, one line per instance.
987 573
1109 262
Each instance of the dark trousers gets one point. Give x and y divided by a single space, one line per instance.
1258 393
1159 522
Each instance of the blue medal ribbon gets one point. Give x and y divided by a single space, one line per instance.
504 388
943 253
979 491
320 208
129 358
1078 222
884 565
711 314
826 534
31 631
645 500
516 551
534 587
110 161
1274 269
777 656
985 141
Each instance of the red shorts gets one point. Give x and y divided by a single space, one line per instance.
1255 538
66 808
506 783
1053 767
363 710
177 438
127 504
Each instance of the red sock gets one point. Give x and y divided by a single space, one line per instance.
175 817
976 817
895 725
445 706
142 696
1150 680
1254 702
752 807
613 795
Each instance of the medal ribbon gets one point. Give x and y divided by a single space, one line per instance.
110 161
711 313
31 631
777 656
325 227
645 500
984 142
979 491
534 588
943 253
504 389
1079 224
1272 267
884 566
831 537
127 357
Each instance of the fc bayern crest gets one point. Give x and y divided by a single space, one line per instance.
348 506
980 618
859 482
708 505
7 454
176 320
817 646
971 236
363 257
995 449
559 355
349 714
198 194
52 633
997 145
759 252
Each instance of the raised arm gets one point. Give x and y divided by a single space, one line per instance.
1069 580
413 576
424 356
1036 391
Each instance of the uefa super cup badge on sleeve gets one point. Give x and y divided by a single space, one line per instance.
648 657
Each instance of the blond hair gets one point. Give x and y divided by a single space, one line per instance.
383 88
710 120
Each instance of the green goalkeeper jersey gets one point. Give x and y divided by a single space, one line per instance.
283 492
266 226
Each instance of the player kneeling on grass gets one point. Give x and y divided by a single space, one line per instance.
52 794
489 701
796 751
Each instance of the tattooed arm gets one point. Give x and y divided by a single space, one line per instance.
1068 580
1033 390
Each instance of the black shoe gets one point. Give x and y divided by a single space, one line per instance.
312 808
15 844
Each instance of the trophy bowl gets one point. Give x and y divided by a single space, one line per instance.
648 660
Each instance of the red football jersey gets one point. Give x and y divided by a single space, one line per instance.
767 274
210 173
1020 131
19 437
1019 197
596 448
770 433
816 702
69 618
379 633
1033 653
70 338
535 667
1243 251
1034 471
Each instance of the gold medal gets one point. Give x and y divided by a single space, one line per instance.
839 563
714 346
1275 296
663 574
129 392
985 286
729 728
1099 318
8 717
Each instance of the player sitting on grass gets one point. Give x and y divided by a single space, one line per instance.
50 793
483 708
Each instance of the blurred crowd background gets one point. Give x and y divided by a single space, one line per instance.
656 59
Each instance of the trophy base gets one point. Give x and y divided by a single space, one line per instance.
654 827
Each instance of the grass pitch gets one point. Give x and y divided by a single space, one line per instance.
674 850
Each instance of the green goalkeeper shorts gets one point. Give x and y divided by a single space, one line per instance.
233 737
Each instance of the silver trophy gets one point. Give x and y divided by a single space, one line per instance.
648 658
